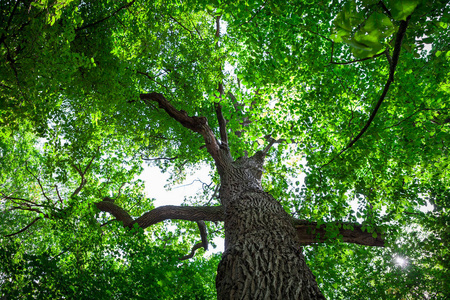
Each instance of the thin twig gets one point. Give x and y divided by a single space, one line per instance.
184 27
310 31
203 244
25 228
151 78
358 60
39 183
105 18
214 195
159 158
82 175
198 32
257 12
57 192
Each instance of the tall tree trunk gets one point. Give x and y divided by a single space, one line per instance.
262 259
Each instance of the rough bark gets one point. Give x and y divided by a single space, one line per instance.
262 259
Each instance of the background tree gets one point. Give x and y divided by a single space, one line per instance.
352 94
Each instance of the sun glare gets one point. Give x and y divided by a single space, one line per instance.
400 261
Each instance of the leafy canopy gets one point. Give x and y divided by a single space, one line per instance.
307 74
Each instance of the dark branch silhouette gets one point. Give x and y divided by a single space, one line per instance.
25 228
393 64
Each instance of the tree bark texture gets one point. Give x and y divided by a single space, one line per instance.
262 259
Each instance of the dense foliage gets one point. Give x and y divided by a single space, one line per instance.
308 74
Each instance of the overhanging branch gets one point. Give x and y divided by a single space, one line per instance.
159 214
393 65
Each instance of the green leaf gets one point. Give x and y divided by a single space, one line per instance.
401 9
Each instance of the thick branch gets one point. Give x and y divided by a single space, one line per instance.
118 212
197 124
188 213
308 233
393 64
159 214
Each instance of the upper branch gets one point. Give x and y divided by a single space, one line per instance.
39 183
197 124
179 23
218 107
254 15
82 174
356 60
393 65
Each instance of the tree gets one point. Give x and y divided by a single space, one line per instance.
352 94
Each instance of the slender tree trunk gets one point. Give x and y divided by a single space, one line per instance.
262 259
